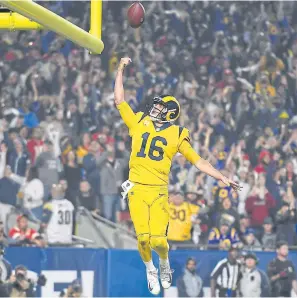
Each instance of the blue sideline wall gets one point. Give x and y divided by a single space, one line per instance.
113 272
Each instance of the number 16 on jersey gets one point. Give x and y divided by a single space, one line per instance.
155 152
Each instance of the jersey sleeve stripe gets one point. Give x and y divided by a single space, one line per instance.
142 117
180 130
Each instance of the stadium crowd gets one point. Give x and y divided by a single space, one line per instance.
232 66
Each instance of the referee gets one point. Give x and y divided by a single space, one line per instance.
226 276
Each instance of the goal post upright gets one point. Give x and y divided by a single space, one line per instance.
96 18
51 21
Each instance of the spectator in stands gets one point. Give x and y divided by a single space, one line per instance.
31 193
53 132
223 237
286 219
3 157
221 192
190 283
12 136
244 225
8 188
182 218
18 159
246 187
48 168
3 238
275 186
73 118
111 178
23 235
90 166
251 242
263 86
268 239
179 171
73 174
8 195
259 204
201 223
194 195
227 213
35 144
83 149
58 218
87 198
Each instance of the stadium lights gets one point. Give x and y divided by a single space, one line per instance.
34 12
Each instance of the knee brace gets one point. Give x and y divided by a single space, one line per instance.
159 244
143 240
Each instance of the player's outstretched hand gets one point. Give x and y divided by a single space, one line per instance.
124 62
231 183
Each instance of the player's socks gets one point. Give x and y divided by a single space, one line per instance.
150 265
161 247
165 273
164 262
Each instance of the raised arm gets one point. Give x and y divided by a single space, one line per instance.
201 164
119 95
204 166
127 114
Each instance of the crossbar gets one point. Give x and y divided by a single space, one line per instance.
15 21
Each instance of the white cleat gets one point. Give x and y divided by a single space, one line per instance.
153 281
166 276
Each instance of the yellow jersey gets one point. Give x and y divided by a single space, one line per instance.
180 221
154 147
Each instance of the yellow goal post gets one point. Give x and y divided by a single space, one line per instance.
28 15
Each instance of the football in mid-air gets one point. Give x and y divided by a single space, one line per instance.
136 14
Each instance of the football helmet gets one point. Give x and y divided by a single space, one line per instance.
169 111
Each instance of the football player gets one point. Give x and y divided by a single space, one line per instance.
155 141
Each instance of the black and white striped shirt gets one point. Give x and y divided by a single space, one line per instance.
227 275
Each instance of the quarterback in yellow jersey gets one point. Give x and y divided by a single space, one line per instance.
155 141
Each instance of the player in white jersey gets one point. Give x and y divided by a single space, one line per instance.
57 219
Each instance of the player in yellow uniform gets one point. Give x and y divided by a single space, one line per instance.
155 141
